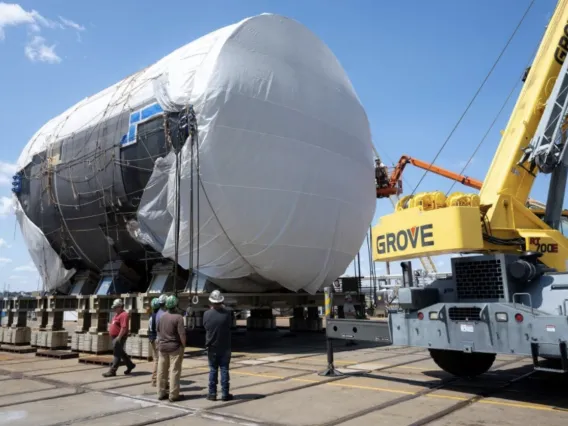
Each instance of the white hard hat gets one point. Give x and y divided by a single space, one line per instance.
116 303
216 297
162 299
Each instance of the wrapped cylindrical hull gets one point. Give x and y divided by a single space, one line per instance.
286 172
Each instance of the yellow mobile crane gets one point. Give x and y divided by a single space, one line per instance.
509 294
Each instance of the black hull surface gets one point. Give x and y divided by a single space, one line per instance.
83 189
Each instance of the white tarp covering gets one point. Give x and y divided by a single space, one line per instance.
46 260
286 158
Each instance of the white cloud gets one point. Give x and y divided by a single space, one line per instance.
14 15
71 24
4 260
4 243
37 50
7 170
6 206
16 277
30 267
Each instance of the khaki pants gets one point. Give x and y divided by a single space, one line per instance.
156 356
169 363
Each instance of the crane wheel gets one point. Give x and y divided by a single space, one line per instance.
462 364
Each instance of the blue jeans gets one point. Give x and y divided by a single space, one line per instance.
218 361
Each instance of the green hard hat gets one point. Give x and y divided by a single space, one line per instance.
155 303
171 302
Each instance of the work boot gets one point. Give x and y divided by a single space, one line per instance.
109 374
129 369
211 397
162 397
228 397
179 398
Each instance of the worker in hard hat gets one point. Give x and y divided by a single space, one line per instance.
382 175
162 301
118 330
171 344
152 337
218 322
161 311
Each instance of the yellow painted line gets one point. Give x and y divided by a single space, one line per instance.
529 406
268 376
316 363
455 398
307 380
403 392
522 405
408 367
371 388
324 358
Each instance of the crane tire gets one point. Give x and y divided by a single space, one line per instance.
462 364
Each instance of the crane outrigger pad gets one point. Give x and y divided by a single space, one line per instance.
361 330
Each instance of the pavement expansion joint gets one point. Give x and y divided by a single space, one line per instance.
428 393
188 411
47 398
154 401
232 418
273 367
96 416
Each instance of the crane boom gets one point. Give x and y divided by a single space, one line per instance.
506 177
392 185
498 220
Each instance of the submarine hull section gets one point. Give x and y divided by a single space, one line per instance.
276 180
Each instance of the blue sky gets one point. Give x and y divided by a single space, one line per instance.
414 64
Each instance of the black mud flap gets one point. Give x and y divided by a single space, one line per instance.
361 330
